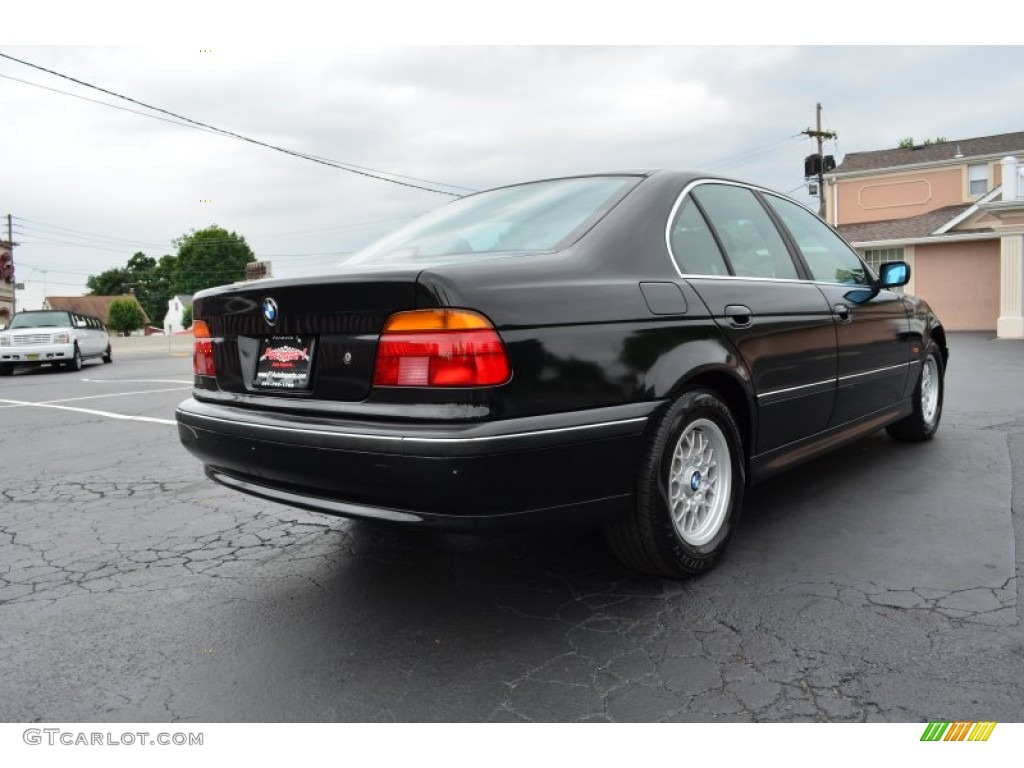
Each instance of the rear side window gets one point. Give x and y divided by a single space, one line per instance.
827 255
693 246
746 231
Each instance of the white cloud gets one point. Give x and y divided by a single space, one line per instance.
472 116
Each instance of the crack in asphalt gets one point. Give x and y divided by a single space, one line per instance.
160 596
630 648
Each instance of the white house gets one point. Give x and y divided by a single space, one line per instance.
175 309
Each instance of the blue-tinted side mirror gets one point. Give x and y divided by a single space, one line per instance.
894 274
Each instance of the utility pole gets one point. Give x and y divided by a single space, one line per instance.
820 135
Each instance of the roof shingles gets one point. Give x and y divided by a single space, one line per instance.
1002 144
900 229
98 306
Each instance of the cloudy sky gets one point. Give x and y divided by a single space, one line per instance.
88 185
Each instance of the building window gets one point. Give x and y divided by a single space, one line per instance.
876 257
977 179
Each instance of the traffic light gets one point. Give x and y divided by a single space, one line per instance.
815 165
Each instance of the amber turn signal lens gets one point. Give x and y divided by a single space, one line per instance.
201 330
436 320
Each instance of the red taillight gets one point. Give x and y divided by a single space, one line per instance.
440 348
202 350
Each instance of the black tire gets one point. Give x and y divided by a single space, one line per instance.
75 364
107 358
923 423
6 369
649 539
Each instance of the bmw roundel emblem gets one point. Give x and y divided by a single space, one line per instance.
270 311
695 481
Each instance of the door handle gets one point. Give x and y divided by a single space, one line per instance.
738 314
842 312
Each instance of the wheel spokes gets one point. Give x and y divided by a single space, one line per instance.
698 482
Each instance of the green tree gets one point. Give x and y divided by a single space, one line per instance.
150 280
186 317
125 316
209 257
908 143
160 289
113 282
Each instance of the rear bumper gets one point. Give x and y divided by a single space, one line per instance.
498 474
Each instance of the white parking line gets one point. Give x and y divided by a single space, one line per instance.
138 381
96 397
115 394
108 414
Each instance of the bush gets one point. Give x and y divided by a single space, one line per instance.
186 317
125 316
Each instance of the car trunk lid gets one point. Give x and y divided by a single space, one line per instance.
309 337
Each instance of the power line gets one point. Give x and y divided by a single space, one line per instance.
36 239
746 156
59 231
39 227
108 104
46 231
359 170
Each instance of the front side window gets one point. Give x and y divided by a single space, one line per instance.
541 216
828 257
750 239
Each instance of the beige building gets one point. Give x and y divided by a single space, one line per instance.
6 282
954 211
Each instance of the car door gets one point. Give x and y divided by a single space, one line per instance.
87 338
730 251
872 327
89 342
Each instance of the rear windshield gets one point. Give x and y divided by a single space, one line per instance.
541 216
40 320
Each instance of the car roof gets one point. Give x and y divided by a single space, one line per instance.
681 176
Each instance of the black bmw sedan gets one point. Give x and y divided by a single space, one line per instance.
634 350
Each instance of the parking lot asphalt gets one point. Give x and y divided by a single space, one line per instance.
879 583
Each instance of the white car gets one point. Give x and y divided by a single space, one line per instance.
53 337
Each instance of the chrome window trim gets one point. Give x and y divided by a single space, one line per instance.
748 279
698 182
675 209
